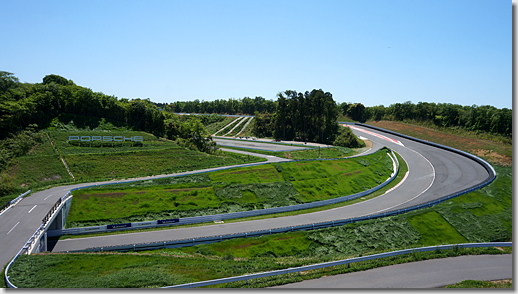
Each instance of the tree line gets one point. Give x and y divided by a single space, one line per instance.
25 104
473 118
244 105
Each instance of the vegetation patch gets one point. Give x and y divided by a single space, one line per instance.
483 284
148 163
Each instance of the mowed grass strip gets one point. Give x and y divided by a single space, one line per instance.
234 189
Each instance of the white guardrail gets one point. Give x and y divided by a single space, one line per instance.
13 202
339 262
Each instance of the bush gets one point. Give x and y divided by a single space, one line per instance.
346 138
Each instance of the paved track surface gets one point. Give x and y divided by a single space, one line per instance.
433 173
423 274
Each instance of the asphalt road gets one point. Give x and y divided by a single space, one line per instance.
433 173
432 273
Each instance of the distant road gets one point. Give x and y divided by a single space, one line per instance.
431 273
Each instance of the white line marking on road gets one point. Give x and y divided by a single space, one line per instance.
32 208
47 197
12 228
433 180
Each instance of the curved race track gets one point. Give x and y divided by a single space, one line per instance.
433 173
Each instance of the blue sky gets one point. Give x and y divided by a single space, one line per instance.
373 52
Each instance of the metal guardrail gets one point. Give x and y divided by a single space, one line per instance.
9 204
232 215
339 262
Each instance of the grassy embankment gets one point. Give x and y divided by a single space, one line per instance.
214 127
155 156
42 167
39 169
484 215
229 190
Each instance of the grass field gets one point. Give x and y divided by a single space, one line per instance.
117 165
229 190
203 178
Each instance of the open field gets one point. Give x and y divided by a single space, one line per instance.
229 190
494 152
484 215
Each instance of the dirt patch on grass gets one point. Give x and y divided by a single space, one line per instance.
493 156
368 143
52 178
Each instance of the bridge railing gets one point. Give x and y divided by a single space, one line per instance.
7 205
